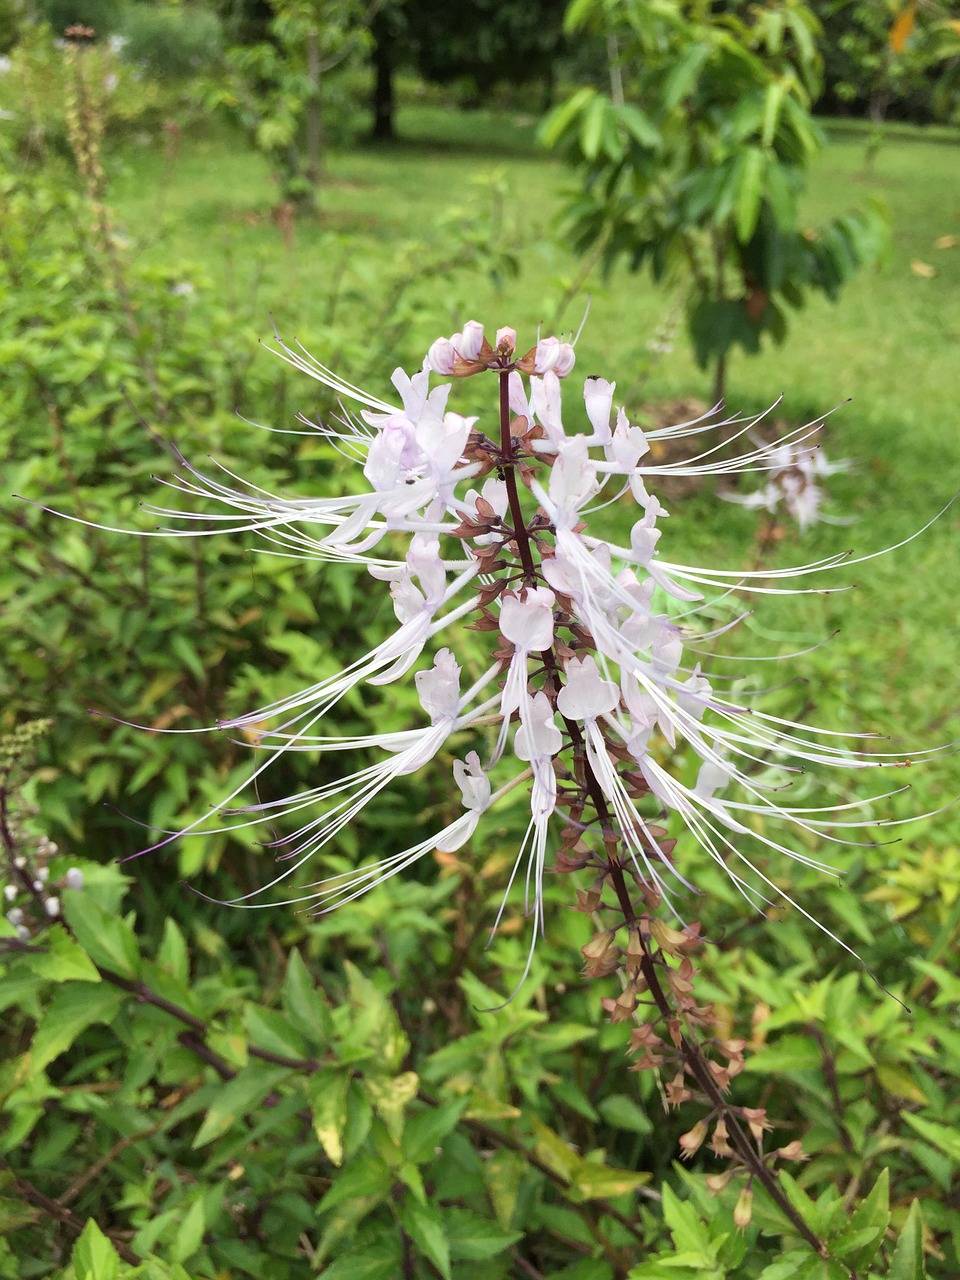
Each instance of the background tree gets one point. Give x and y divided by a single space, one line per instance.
276 89
886 57
699 171
486 43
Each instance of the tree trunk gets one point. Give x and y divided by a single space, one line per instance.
314 116
384 102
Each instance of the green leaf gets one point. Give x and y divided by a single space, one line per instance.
173 952
786 1268
907 1260
684 75
381 1261
62 959
751 165
872 1215
772 102
504 1174
592 127
639 125
236 1098
327 1091
561 118
269 1029
474 1238
94 1257
305 1007
554 1152
366 1176
189 1234
623 1113
425 1131
938 1135
72 1009
423 1225
689 1233
108 939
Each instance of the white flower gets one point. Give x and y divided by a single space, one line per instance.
794 469
585 657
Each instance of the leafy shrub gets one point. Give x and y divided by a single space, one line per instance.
171 41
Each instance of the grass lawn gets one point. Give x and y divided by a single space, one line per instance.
891 347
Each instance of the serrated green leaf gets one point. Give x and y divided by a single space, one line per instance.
73 1008
424 1226
305 1006
907 1261
269 1029
872 1215
425 1131
380 1261
94 1257
62 959
237 1098
474 1238
108 939
366 1176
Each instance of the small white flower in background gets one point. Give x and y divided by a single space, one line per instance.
74 878
592 674
794 472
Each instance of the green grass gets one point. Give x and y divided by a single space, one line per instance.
891 347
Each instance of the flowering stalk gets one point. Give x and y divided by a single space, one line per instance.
592 675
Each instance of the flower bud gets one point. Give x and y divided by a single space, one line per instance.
74 878
743 1209
598 945
15 916
52 907
692 1140
9 892
441 357
506 341
471 340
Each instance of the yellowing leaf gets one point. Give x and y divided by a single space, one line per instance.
947 242
599 1182
923 269
390 1098
901 29
328 1098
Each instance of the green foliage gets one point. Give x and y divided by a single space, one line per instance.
172 40
32 108
869 69
103 16
700 176
281 93
202 1092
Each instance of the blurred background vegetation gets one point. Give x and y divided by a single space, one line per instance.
192 1091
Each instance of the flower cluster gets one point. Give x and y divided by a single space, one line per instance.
592 674
794 470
